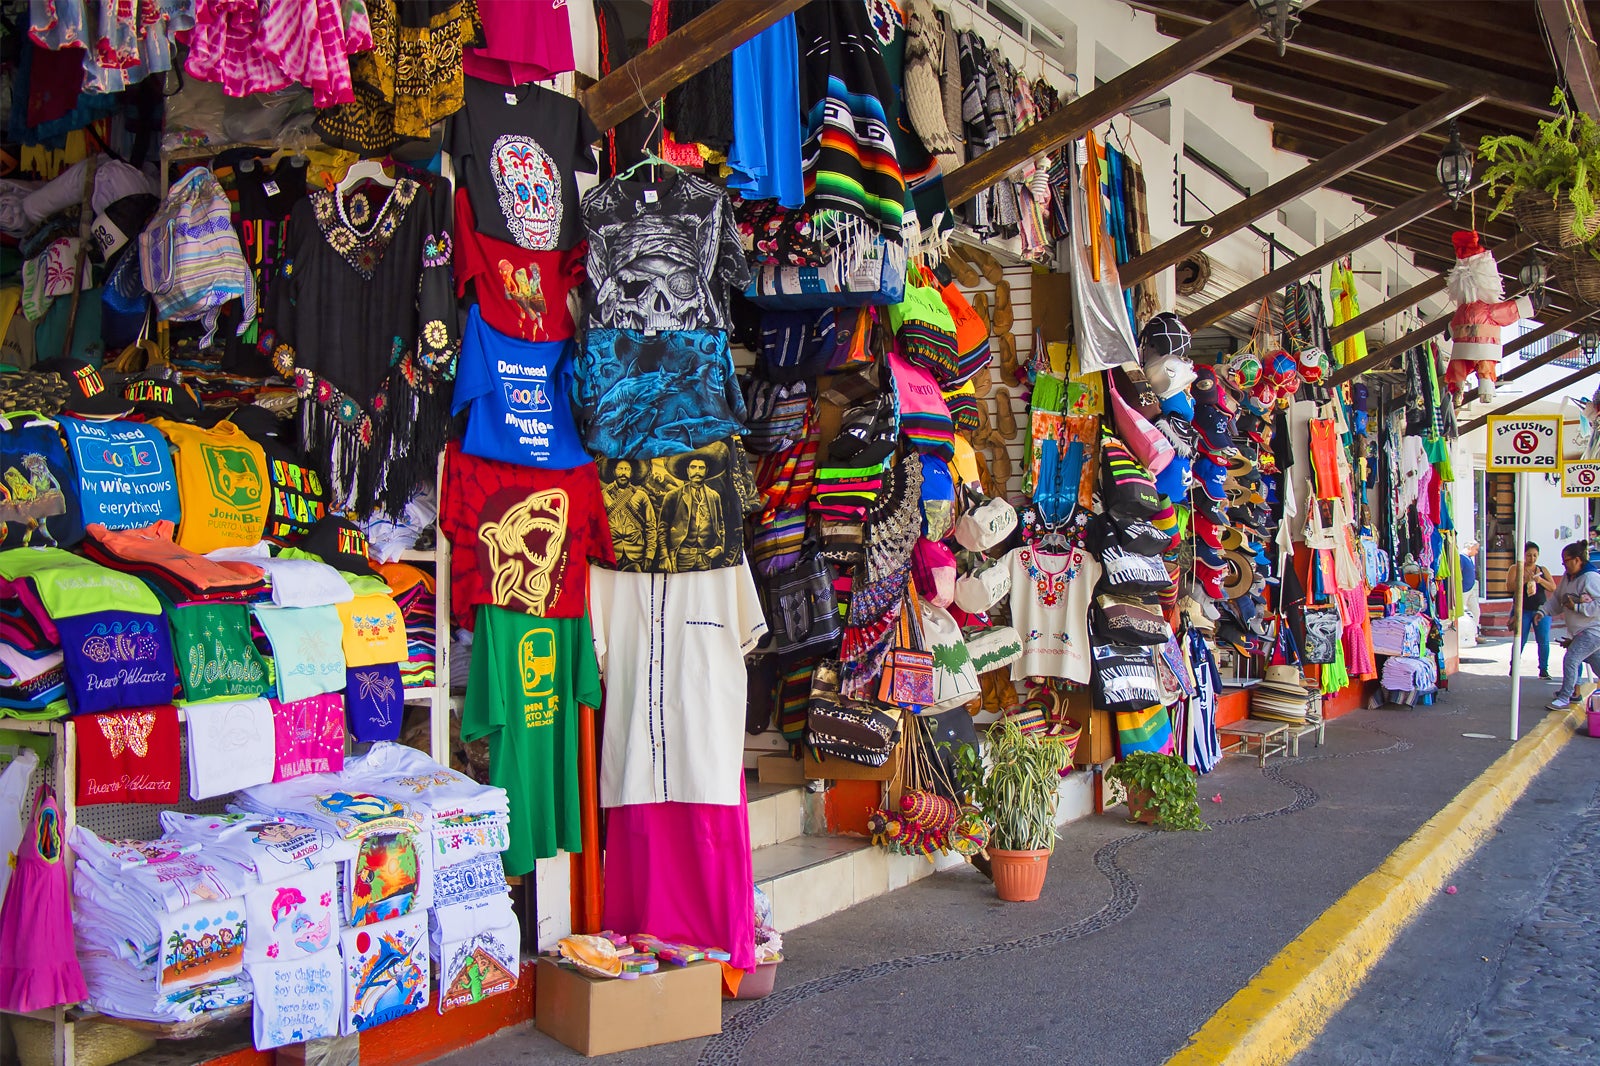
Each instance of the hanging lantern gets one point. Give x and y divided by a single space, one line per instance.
1589 344
1532 278
1455 166
1280 17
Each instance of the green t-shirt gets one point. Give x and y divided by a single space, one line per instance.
216 657
528 675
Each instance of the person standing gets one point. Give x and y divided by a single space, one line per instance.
1578 597
691 519
632 518
1536 585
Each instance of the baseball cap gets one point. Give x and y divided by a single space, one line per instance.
160 394
865 438
1209 532
87 391
1216 431
339 543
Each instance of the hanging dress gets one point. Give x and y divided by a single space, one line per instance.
38 963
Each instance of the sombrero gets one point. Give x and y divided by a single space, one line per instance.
715 456
1241 573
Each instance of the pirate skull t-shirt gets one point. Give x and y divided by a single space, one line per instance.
521 536
517 150
662 256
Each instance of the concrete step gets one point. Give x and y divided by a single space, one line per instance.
777 812
809 878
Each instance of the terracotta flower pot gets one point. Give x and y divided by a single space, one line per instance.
1139 800
1019 875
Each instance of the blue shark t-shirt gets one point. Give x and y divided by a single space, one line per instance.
519 394
125 474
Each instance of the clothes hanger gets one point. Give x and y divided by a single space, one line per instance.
363 168
651 159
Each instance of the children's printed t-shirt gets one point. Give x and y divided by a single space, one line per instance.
310 736
125 474
520 396
293 917
223 485
115 659
671 650
129 757
201 944
477 945
374 702
297 1000
372 630
517 150
172 872
216 657
271 847
40 505
520 292
392 876
526 673
307 649
522 536
385 971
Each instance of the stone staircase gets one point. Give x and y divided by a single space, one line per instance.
808 874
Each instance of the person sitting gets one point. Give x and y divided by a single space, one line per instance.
1578 596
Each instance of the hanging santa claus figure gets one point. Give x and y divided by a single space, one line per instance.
1482 311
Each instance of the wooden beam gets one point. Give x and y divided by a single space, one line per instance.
1429 142
1308 179
1572 41
1347 242
1411 63
1233 26
1523 369
679 56
1398 346
1522 401
1413 296
1499 41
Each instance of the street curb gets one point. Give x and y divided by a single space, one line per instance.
1288 1002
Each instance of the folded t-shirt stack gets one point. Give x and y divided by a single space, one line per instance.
414 594
181 575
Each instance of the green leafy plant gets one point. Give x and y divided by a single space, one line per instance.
1168 785
1015 782
1563 159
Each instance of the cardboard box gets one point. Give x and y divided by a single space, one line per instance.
596 1016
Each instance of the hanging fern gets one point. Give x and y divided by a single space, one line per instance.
1563 159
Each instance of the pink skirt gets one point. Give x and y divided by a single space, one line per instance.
681 871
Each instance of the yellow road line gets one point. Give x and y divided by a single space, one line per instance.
1285 1005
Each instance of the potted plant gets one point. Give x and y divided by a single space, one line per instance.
1161 790
1015 783
1552 181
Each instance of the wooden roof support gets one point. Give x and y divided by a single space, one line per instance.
1358 152
1413 296
1347 242
1413 64
679 56
1522 401
1572 41
1232 27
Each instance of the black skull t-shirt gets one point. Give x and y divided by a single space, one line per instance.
662 255
517 150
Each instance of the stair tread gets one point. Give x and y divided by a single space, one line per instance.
788 856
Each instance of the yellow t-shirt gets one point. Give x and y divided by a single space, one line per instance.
374 630
223 489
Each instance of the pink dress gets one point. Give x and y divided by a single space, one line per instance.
681 871
38 964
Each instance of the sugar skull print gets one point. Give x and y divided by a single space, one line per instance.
529 187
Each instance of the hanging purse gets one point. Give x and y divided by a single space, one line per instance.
801 607
907 678
847 729
988 521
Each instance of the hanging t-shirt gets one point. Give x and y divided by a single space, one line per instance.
521 292
522 537
115 659
372 630
39 501
298 1000
677 514
292 917
517 150
310 736
299 495
526 674
1050 597
222 484
125 473
307 649
662 256
265 201
525 41
216 657
672 650
520 394
644 394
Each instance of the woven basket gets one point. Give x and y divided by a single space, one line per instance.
1548 220
1580 279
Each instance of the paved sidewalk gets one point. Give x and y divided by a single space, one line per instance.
1139 937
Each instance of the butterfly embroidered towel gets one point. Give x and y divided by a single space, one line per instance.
230 746
129 757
